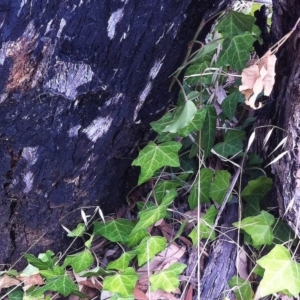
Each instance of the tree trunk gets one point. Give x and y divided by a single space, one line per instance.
81 80
285 107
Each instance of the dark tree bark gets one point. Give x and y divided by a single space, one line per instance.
81 80
284 109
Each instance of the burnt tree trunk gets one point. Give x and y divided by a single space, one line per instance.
285 109
80 82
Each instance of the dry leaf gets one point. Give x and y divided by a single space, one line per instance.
258 78
159 294
32 280
139 294
249 76
241 264
7 281
189 293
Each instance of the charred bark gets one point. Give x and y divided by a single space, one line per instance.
285 109
81 80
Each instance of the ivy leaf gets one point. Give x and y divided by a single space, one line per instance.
235 23
122 262
236 51
230 103
281 272
233 143
254 192
204 182
257 188
209 130
258 227
151 215
79 261
62 284
162 187
241 288
219 186
78 231
195 125
205 227
17 294
154 157
51 273
115 230
206 49
198 68
182 117
149 247
282 232
167 280
37 262
136 237
161 124
122 283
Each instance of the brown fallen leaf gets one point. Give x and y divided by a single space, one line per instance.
258 78
7 281
161 295
139 294
32 280
189 293
242 264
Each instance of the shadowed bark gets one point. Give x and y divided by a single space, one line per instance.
285 110
80 82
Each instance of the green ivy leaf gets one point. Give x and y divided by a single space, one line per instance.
195 125
205 227
16 294
182 117
167 280
37 262
97 271
136 237
230 103
204 182
236 51
257 188
241 288
219 186
78 231
208 132
258 227
235 23
114 230
206 49
282 232
162 123
62 284
149 247
79 261
122 262
281 272
198 68
154 157
122 283
151 215
162 187
233 143
51 273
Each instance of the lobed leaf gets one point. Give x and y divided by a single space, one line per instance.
154 157
167 280
281 272
122 283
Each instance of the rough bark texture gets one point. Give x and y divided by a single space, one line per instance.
221 266
285 110
80 81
